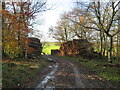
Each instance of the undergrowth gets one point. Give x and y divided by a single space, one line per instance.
16 74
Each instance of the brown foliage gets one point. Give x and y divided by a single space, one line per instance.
77 47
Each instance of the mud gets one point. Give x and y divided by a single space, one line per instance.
69 74
48 77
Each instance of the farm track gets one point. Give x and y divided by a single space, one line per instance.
67 74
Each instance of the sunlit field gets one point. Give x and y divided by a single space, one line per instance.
48 46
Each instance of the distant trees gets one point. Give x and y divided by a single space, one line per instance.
78 20
61 31
97 22
16 22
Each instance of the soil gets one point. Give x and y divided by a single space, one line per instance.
70 74
41 75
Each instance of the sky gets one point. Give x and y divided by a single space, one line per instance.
50 17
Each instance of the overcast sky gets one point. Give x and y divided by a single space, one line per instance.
52 16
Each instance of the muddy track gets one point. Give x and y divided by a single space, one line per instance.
48 76
67 74
79 83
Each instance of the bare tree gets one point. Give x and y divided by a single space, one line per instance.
62 32
106 17
103 20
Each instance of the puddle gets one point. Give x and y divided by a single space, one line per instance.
48 77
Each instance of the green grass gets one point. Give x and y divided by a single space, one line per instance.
21 73
110 73
48 46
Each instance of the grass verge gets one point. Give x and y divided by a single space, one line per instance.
16 74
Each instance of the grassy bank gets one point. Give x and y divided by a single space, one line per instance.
21 73
101 67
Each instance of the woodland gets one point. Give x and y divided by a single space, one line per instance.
17 22
95 23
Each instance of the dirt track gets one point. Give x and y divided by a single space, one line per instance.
67 74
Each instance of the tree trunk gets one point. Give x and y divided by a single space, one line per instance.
66 36
118 46
3 23
19 31
101 43
108 49
118 36
104 38
25 54
19 45
106 46
111 47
